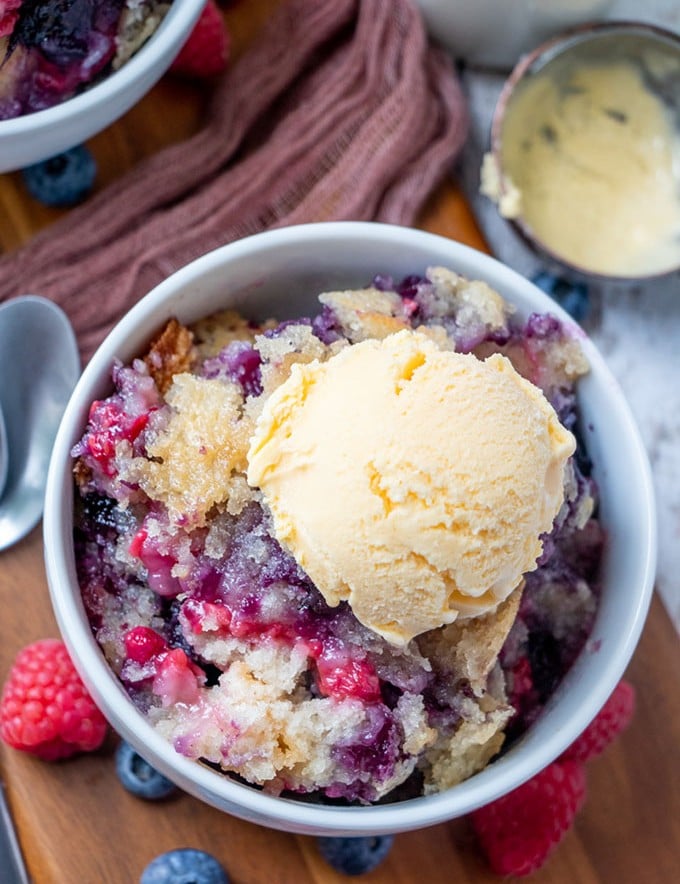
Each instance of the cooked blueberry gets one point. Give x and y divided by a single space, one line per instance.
546 662
61 29
184 866
139 777
543 326
62 180
355 856
100 511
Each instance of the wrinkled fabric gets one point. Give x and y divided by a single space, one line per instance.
338 111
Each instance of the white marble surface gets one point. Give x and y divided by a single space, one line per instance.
637 329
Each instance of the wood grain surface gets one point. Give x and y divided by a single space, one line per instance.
77 825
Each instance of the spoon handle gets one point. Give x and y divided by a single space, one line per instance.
11 860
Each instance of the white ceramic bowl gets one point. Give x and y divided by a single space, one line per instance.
280 273
495 33
28 139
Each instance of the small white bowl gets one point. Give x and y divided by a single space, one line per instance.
494 33
280 273
34 137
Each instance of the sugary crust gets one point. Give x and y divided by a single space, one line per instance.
138 22
468 648
468 751
171 353
366 313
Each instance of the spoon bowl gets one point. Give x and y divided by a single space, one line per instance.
585 139
39 367
4 457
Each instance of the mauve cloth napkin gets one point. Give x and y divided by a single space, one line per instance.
339 111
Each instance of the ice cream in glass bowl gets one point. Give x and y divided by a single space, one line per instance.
69 69
348 529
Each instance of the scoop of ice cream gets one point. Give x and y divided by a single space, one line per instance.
411 481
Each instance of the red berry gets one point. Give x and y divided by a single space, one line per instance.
9 13
519 831
159 565
143 643
348 678
177 679
109 424
206 52
611 720
206 616
137 542
45 708
521 685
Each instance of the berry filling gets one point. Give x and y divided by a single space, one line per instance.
51 50
221 638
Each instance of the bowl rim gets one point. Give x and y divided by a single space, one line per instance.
202 782
178 20
552 48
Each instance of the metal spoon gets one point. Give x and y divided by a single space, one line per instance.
39 366
4 456
11 859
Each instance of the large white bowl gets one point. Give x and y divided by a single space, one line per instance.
28 139
280 273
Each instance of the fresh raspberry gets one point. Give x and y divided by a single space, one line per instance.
206 52
612 719
45 708
519 831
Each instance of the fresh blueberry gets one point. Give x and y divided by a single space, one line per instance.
62 180
355 856
184 866
571 296
139 777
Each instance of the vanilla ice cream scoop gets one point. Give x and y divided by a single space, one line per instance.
411 481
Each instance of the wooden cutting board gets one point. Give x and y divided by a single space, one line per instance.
77 825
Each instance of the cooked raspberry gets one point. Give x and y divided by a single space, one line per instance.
9 13
206 52
612 719
348 678
108 425
177 679
142 643
206 616
45 708
519 831
521 683
158 564
137 542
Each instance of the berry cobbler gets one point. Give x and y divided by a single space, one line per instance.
346 557
50 50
